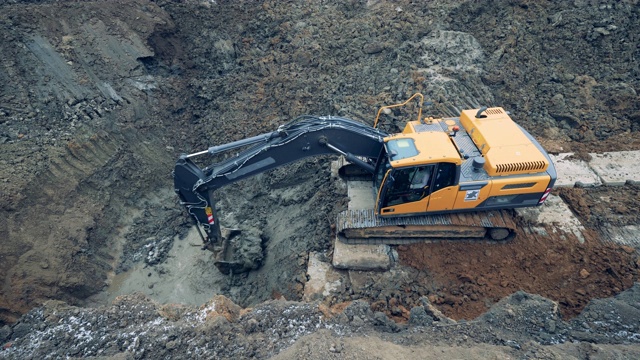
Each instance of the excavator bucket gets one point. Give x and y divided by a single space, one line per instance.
238 251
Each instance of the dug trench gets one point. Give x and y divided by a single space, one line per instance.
104 98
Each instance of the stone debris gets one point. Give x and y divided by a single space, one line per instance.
361 257
609 168
322 278
136 327
556 213
628 235
573 172
617 168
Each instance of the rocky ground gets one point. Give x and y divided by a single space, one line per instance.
521 325
99 98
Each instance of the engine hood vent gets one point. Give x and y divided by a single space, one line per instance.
521 167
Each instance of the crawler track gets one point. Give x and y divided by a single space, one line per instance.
364 227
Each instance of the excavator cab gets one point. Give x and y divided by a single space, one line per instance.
407 190
407 174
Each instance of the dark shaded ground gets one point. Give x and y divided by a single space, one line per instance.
99 97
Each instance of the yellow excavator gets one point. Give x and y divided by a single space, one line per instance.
440 178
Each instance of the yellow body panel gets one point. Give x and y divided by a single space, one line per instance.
506 149
443 199
468 199
433 147
515 186
416 207
451 198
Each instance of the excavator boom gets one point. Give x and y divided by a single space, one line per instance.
304 137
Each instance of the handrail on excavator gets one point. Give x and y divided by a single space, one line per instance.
375 123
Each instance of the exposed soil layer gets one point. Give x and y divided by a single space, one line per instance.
614 206
519 326
98 99
471 277
474 276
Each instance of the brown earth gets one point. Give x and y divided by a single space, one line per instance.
596 207
98 98
472 277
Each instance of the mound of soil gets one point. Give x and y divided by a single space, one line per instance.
100 97
471 277
521 325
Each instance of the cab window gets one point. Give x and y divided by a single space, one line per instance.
445 176
409 184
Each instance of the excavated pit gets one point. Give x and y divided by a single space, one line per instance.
100 98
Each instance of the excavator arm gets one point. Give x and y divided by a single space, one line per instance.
304 137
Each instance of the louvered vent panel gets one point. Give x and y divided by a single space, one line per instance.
494 111
528 166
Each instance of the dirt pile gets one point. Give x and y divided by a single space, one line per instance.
136 327
605 206
567 66
100 97
471 277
